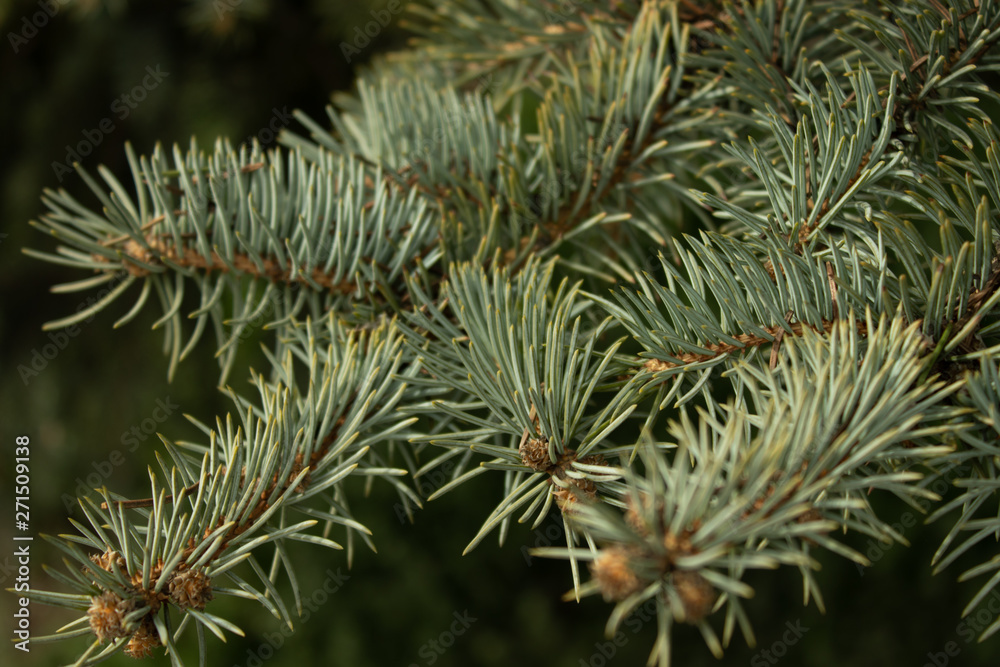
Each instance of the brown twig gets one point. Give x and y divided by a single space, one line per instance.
147 502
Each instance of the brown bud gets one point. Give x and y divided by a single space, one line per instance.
614 574
809 516
677 545
107 612
104 560
634 513
190 589
655 365
566 496
588 486
535 454
144 640
696 594
593 460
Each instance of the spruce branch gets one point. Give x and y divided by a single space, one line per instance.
613 144
786 468
449 253
533 411
289 455
280 238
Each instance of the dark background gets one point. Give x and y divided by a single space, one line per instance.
228 71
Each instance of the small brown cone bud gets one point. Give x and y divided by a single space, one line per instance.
677 545
190 589
535 454
144 640
588 486
104 560
614 575
138 251
634 514
564 499
106 613
593 460
696 594
655 365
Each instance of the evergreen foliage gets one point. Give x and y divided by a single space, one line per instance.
705 277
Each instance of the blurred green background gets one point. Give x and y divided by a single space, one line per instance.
230 65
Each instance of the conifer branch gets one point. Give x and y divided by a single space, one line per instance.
744 341
799 144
